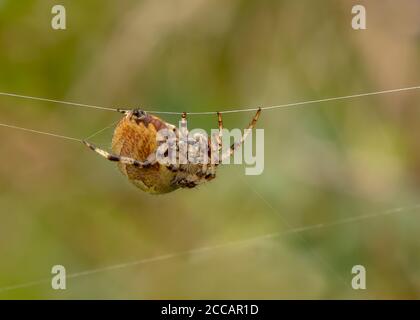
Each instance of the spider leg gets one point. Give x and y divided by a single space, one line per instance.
123 111
182 150
236 145
220 136
184 121
121 159
220 122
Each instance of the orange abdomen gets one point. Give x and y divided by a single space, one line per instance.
137 140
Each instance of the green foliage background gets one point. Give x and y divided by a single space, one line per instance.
61 204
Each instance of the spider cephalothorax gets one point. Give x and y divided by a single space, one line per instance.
135 144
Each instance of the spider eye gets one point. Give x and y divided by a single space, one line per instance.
138 113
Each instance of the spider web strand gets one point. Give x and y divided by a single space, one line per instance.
40 132
287 105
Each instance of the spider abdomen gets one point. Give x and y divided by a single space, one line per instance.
136 139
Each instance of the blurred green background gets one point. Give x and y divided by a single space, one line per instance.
61 204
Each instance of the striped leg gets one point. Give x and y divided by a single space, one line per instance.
236 145
122 159
215 146
220 137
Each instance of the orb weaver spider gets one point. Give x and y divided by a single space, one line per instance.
134 146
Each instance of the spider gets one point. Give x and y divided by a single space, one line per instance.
134 146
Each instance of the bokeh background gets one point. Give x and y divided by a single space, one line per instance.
61 204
